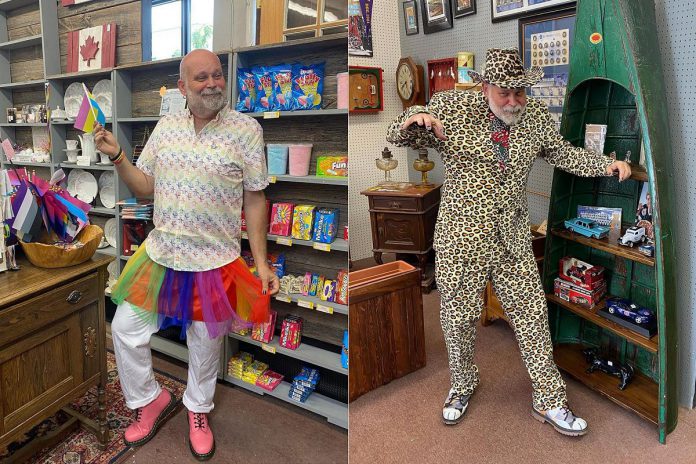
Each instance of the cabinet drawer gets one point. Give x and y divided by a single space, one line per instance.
395 204
21 319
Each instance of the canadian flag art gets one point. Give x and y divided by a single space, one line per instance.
92 48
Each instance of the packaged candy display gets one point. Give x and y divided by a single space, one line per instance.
307 283
332 166
326 225
265 99
308 86
282 87
253 371
344 351
341 296
320 285
277 154
263 332
580 273
328 291
246 84
269 380
238 363
313 286
291 332
304 384
281 219
302 222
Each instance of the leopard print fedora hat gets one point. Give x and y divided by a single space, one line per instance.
504 69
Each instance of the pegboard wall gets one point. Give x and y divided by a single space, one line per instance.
367 132
675 20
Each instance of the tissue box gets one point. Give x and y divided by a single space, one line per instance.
326 225
302 222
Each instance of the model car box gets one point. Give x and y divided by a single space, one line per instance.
580 273
572 293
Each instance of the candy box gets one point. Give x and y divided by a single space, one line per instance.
313 286
263 332
291 332
307 377
328 290
277 262
269 380
332 166
341 296
302 222
281 219
307 283
580 273
326 225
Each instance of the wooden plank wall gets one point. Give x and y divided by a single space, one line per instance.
25 63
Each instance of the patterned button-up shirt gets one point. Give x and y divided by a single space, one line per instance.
199 184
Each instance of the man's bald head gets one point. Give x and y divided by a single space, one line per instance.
202 82
196 58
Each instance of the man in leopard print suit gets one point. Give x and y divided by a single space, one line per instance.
488 142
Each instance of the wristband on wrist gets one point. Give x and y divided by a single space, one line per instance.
119 159
120 152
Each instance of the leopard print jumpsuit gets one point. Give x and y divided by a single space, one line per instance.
482 230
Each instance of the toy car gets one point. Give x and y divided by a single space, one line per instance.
624 372
630 310
586 227
632 236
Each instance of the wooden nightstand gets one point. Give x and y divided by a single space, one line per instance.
403 222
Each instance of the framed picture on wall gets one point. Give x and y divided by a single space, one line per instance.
410 17
463 7
502 10
545 41
437 15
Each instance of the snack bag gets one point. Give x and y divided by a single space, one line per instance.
307 86
246 85
282 87
264 95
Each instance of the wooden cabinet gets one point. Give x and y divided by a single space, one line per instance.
387 338
52 344
403 222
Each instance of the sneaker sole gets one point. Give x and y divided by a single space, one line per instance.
563 431
161 419
457 420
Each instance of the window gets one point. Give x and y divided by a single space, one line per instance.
175 27
313 18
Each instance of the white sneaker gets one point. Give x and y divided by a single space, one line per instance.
454 408
563 420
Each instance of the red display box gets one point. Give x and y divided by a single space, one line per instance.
442 75
580 273
366 93
578 295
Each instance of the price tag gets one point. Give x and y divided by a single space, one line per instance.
269 348
271 115
284 298
284 241
245 235
325 309
322 246
272 179
305 304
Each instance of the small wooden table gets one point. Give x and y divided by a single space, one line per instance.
52 348
403 222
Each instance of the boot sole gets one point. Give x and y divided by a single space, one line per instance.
202 457
161 419
569 433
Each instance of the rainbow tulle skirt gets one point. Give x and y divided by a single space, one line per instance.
226 298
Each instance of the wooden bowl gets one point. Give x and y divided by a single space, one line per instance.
52 256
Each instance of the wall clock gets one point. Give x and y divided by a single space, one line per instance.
409 82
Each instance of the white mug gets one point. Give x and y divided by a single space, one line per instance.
72 156
104 158
71 144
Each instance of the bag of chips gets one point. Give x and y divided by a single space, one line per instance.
265 100
282 87
246 85
307 86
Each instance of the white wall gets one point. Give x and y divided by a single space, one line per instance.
367 132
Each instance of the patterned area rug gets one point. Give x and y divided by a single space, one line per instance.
80 447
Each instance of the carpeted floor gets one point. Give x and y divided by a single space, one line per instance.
400 422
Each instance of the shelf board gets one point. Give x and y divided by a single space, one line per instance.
639 173
323 41
28 163
591 315
334 411
21 43
15 85
603 244
111 251
7 5
338 245
304 352
23 124
640 396
92 167
78 75
295 298
285 114
66 122
149 65
141 119
101 210
309 179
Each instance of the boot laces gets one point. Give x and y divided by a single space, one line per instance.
199 420
138 414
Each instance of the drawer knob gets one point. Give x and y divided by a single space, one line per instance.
74 296
395 204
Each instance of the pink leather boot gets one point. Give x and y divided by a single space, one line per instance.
149 418
201 439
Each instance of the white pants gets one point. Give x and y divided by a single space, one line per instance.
131 336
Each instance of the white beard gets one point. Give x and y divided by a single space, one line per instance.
509 114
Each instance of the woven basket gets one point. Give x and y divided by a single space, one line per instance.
52 256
